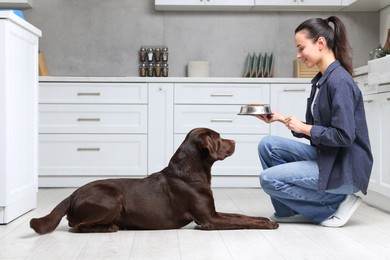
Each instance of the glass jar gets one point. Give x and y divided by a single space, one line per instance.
165 70
164 55
150 55
142 54
157 54
142 70
157 70
150 70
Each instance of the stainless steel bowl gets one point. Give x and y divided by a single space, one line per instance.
255 109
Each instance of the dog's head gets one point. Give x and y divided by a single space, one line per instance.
211 144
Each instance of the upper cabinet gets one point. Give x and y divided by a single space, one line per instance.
200 5
17 4
271 5
299 5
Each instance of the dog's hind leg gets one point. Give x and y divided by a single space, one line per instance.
91 213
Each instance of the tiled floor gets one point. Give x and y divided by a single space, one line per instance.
366 236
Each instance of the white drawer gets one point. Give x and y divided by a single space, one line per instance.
221 118
99 93
208 93
92 155
92 118
244 161
365 88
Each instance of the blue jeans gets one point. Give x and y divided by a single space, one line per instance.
290 177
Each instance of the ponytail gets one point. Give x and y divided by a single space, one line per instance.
336 37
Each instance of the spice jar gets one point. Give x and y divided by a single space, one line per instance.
164 54
157 54
142 54
157 70
150 55
142 70
150 70
165 70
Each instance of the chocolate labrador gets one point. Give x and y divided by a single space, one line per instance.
169 199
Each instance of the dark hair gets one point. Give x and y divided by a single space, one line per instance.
336 37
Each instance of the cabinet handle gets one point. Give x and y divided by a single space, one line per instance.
88 149
221 95
88 119
368 101
88 94
219 120
294 90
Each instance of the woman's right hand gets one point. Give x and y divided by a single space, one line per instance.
275 116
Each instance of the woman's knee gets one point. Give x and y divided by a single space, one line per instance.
266 181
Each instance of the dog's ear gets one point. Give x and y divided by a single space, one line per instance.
209 145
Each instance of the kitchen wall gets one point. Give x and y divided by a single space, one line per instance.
102 38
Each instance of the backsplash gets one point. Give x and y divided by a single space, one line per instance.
102 38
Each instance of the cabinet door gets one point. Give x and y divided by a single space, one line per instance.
384 173
160 125
229 2
289 99
372 109
92 155
221 118
214 93
276 2
92 93
86 118
180 2
204 4
319 3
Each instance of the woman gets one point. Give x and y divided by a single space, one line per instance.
316 183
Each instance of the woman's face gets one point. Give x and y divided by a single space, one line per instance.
307 50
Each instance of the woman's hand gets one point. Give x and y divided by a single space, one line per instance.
275 116
295 124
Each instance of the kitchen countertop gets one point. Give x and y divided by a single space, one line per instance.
176 80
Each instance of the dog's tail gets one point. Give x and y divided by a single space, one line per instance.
49 222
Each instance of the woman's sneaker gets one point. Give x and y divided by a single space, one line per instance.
344 212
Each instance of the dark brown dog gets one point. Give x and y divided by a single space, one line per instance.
169 199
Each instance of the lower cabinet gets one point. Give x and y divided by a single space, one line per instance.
92 155
91 130
289 99
377 107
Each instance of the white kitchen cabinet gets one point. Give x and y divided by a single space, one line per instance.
216 106
299 5
92 130
204 4
18 116
299 2
384 171
373 116
377 107
160 125
289 99
365 88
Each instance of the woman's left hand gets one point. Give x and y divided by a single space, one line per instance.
293 123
